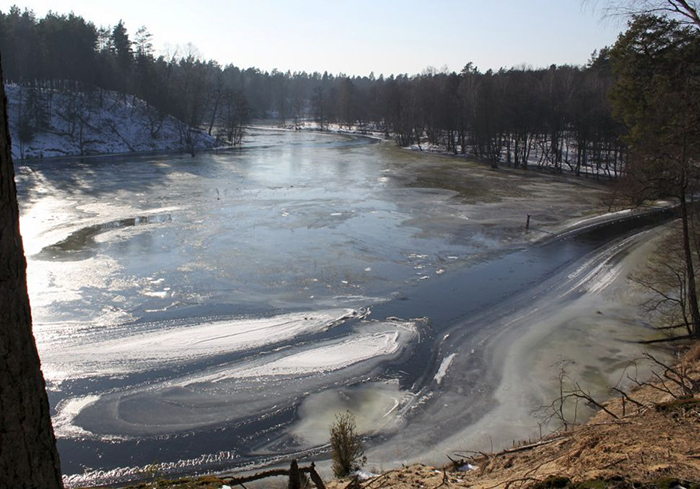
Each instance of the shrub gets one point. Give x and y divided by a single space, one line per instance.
346 445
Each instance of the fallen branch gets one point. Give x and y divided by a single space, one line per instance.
626 397
615 463
513 481
523 448
675 326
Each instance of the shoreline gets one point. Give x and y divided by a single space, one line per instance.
128 154
436 151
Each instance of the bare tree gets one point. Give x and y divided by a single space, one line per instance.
685 11
666 281
28 455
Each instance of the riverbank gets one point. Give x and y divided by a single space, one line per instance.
537 162
651 436
100 123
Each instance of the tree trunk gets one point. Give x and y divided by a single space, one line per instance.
28 455
690 269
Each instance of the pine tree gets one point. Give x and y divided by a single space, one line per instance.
28 455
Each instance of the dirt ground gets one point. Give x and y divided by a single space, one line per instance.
655 440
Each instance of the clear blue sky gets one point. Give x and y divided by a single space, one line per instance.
359 36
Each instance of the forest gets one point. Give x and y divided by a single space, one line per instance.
557 117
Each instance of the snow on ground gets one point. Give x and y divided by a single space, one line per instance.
537 159
95 123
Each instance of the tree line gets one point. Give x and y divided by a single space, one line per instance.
557 117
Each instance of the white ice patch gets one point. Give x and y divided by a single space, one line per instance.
363 475
162 294
66 411
142 351
596 278
318 360
442 371
256 385
598 218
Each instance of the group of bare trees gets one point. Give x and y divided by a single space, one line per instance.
557 117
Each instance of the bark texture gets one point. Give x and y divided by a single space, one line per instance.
28 455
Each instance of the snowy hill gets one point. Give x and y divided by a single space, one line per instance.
47 123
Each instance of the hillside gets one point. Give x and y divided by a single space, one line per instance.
48 123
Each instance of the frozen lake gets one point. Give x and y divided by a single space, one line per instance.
217 311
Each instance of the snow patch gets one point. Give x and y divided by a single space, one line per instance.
442 371
104 122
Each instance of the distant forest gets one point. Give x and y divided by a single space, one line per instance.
557 117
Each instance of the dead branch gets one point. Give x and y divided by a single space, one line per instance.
677 375
523 448
611 464
626 397
513 481
579 393
239 481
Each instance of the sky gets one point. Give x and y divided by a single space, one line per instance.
359 36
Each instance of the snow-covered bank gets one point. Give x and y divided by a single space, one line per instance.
48 123
538 159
